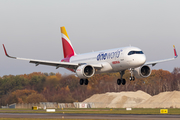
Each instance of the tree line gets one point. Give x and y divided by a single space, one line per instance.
54 87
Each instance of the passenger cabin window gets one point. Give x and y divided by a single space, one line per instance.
135 52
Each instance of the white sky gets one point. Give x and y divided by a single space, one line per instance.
31 29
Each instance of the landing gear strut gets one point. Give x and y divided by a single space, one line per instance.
83 81
121 81
131 78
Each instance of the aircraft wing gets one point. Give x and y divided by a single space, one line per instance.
52 63
153 63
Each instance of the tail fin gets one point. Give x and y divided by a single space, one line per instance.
175 53
67 46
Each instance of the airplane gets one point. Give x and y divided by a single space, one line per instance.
106 61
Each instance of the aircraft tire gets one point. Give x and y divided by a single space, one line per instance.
130 78
133 78
119 81
86 81
81 81
123 81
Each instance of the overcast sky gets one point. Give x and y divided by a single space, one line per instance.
31 29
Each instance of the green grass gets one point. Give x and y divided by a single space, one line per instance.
43 119
96 111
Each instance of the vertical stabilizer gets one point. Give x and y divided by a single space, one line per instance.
175 53
67 46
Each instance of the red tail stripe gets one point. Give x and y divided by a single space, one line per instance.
67 49
175 54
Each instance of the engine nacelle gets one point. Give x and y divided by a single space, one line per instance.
85 71
142 72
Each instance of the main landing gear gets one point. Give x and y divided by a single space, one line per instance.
123 81
83 81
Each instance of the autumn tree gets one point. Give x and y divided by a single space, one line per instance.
19 96
54 87
35 98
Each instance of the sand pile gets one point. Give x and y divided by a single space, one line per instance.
162 100
118 99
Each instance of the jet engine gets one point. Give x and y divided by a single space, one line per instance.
142 72
85 71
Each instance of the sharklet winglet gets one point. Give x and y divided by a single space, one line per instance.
7 53
175 53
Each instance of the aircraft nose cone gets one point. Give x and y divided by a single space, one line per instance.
142 59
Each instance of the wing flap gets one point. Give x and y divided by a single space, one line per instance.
52 63
56 64
43 62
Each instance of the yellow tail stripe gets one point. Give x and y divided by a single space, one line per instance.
63 30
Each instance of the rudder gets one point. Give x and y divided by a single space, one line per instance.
67 46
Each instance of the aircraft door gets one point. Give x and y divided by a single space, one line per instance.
122 61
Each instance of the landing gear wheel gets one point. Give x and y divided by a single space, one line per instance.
131 78
119 81
123 81
86 81
81 81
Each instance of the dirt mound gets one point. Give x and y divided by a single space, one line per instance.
118 99
162 100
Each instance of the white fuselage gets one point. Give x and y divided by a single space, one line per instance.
113 60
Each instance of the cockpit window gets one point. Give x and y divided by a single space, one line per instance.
135 52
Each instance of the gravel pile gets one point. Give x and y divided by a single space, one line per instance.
138 99
162 100
118 99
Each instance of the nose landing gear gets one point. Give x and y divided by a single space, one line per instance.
131 78
123 81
